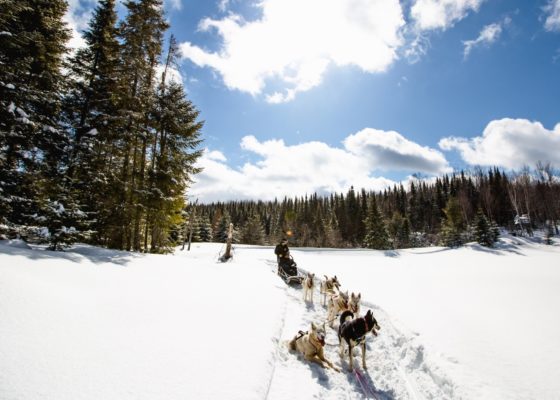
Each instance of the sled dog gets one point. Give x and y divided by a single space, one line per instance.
329 287
308 287
311 345
353 331
337 303
354 303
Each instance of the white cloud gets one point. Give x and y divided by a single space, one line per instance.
77 17
312 167
552 22
223 5
417 47
509 143
389 150
173 74
295 41
215 155
489 34
174 4
441 14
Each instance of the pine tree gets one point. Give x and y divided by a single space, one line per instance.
92 114
220 230
253 231
32 47
399 230
452 226
205 229
173 151
376 231
404 234
482 230
142 39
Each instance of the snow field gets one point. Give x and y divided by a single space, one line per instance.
90 323
154 327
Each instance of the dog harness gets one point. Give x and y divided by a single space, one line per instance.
302 334
354 334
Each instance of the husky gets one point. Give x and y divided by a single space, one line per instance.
308 287
353 331
329 287
354 303
337 303
311 345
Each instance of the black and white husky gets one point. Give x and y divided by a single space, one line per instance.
353 331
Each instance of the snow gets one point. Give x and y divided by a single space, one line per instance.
58 208
90 323
48 128
17 243
22 113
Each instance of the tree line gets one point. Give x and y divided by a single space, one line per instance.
448 210
99 144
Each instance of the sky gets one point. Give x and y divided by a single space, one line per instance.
315 96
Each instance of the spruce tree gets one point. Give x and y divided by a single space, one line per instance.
142 38
452 226
253 231
32 47
205 229
175 138
482 231
92 114
376 231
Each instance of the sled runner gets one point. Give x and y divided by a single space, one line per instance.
287 270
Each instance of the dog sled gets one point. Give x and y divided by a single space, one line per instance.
287 270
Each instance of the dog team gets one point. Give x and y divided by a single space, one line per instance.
352 328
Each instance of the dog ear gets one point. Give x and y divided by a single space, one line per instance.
353 295
313 327
359 296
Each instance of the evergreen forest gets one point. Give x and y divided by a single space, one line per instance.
97 144
449 210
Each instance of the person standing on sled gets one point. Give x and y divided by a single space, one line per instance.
283 257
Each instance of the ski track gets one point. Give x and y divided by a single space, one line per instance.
398 368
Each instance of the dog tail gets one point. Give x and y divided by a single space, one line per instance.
346 316
292 344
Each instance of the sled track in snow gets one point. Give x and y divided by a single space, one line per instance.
277 353
398 367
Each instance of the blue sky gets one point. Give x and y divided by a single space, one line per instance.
302 96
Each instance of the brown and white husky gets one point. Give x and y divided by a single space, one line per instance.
308 287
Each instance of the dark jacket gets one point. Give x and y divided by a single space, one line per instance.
282 251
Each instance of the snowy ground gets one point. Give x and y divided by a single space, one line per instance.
91 323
